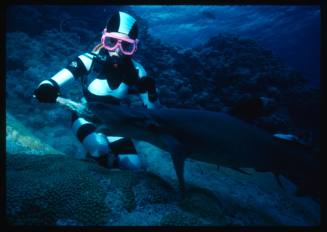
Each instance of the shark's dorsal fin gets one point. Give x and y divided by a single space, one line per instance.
240 170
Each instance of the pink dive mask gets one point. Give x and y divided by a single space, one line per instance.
112 40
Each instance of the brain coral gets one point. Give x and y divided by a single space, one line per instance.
49 189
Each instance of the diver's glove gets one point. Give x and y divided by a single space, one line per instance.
47 92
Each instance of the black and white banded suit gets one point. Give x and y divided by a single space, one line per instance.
111 84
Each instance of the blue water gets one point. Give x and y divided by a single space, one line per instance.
291 32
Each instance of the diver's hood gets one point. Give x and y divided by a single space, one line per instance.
123 23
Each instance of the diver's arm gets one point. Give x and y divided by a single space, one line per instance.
48 90
147 88
78 67
150 95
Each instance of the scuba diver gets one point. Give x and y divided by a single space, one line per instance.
117 75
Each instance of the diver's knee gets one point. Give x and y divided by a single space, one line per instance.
129 161
96 144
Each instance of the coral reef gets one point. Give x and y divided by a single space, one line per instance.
44 190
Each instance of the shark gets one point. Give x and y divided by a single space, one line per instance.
212 137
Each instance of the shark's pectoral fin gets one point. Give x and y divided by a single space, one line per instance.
178 156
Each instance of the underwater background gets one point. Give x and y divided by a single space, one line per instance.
258 63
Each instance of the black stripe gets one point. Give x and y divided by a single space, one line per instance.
152 96
84 131
55 84
74 116
77 70
123 146
89 55
103 160
147 84
106 99
133 31
113 23
115 164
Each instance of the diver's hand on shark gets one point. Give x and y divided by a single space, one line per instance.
80 109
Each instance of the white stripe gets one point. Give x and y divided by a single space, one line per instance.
139 67
121 91
83 100
101 88
112 139
129 161
78 123
45 82
63 77
96 144
87 61
126 23
144 97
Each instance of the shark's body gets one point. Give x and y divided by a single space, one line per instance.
211 137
